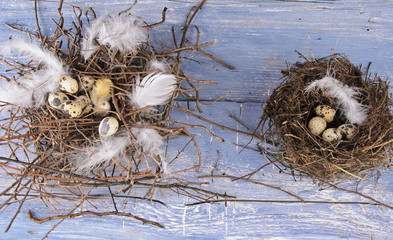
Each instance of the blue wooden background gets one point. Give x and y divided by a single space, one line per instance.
258 38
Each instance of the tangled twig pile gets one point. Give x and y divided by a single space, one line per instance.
118 74
290 108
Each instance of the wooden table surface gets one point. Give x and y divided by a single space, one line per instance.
259 38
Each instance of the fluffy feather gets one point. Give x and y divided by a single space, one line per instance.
151 141
155 89
154 65
354 111
100 153
34 87
118 32
101 90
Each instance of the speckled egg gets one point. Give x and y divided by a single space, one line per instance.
348 130
83 100
108 126
102 108
87 109
317 125
326 112
68 84
56 99
87 82
331 134
72 109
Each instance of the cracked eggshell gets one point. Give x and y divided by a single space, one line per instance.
108 126
331 134
87 82
317 125
72 109
348 130
68 84
102 108
326 112
56 99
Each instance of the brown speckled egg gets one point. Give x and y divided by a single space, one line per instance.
348 130
108 126
87 82
317 125
68 84
56 99
326 112
72 109
331 134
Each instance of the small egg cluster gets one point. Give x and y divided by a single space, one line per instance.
325 115
79 99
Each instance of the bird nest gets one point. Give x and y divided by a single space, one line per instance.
289 109
127 83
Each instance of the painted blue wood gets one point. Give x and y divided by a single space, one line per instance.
258 38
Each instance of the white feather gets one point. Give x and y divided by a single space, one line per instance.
100 153
118 32
150 141
155 89
154 65
36 85
346 97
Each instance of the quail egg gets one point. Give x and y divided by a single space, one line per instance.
83 100
87 82
317 125
56 99
331 134
72 109
68 84
326 112
87 109
102 108
108 126
347 130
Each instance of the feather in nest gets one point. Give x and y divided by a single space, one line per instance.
118 32
34 87
150 141
100 153
155 89
156 65
346 97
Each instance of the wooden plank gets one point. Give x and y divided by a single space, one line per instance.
258 37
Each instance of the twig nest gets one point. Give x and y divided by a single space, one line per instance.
317 125
68 84
56 99
72 109
108 126
348 130
87 82
326 112
331 135
308 92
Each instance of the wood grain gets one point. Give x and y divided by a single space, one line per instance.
258 38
